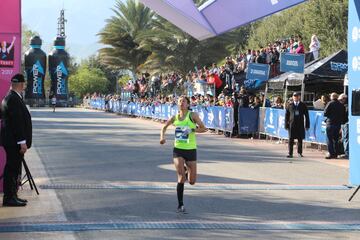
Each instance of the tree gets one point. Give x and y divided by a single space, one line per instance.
111 73
120 34
88 80
327 21
174 50
27 34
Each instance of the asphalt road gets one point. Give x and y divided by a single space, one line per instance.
109 169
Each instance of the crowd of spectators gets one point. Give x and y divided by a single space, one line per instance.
227 80
214 85
223 86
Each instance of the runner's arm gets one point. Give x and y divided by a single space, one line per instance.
163 130
200 125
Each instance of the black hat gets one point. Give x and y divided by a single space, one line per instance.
296 94
18 78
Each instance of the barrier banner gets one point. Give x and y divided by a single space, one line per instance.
10 54
210 118
157 111
290 62
274 125
248 120
354 88
213 117
173 111
271 121
222 123
257 75
281 131
229 119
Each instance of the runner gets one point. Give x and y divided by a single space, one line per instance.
184 154
53 102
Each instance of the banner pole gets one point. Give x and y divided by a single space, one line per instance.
265 94
302 88
285 95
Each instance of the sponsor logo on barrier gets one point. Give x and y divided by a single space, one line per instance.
271 119
201 116
355 34
338 67
358 131
292 63
281 122
258 72
211 116
356 63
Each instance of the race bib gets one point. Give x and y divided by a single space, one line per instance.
182 134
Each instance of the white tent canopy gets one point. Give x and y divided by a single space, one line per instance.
215 16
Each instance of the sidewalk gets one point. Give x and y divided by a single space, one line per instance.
308 152
45 207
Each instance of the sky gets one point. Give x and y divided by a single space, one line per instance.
85 18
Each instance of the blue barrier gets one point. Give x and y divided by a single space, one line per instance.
274 125
220 118
248 120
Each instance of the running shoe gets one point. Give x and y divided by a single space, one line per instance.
181 209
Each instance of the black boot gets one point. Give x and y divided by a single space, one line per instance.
13 202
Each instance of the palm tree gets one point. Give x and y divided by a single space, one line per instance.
174 50
121 33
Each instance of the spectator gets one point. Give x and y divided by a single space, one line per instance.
257 103
274 62
249 56
263 56
268 55
189 85
215 69
229 65
267 101
228 102
243 99
136 88
300 48
291 48
278 103
215 79
315 46
345 126
334 113
200 85
321 102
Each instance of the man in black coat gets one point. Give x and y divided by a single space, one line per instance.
295 124
16 134
334 113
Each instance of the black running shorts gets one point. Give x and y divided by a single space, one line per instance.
188 155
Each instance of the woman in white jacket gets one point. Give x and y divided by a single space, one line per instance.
315 46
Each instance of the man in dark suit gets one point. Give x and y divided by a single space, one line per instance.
335 114
295 124
16 134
